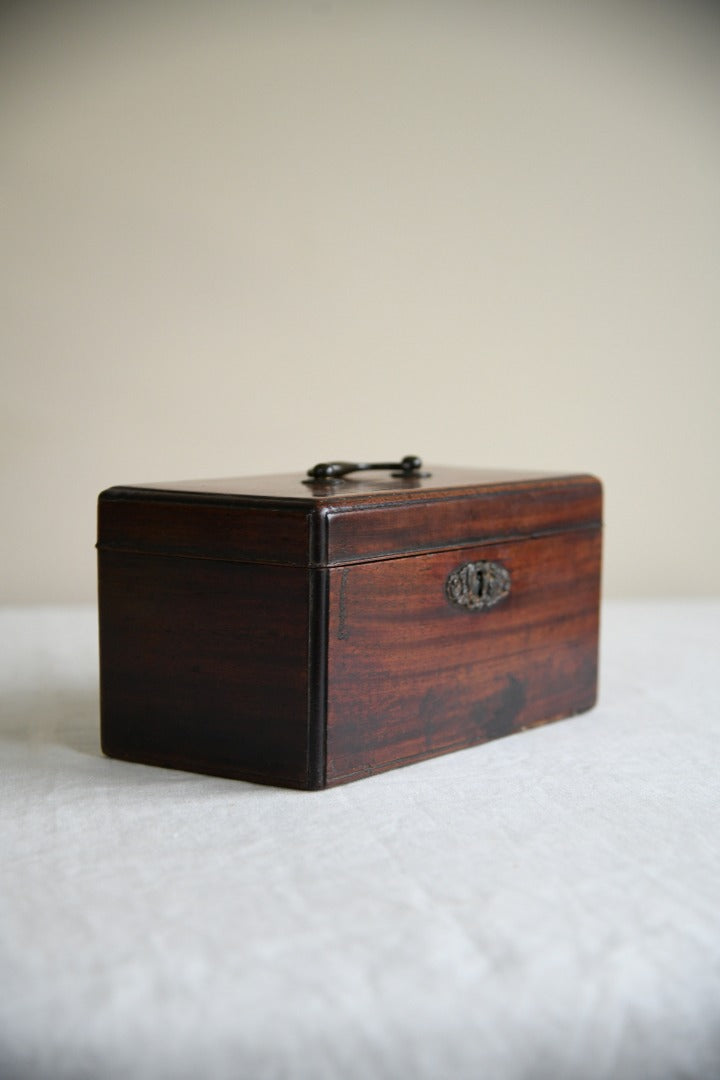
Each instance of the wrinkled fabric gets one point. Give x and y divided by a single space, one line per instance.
547 905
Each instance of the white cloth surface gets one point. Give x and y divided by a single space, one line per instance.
544 906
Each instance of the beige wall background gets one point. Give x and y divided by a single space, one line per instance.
241 238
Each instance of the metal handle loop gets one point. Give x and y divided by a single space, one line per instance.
410 466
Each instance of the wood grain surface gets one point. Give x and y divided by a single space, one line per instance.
410 675
349 521
204 666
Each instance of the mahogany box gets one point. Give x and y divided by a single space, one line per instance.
307 630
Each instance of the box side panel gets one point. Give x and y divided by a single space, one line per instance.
463 518
412 674
151 522
204 666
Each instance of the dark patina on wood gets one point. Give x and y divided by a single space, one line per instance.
308 634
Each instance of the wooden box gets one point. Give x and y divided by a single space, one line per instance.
307 632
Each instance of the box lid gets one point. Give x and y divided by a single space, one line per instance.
292 519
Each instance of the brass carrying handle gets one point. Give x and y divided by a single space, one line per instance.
336 470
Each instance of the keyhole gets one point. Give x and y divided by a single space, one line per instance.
478 583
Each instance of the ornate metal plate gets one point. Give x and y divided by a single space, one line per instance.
477 586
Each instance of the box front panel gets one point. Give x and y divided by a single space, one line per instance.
428 654
204 665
